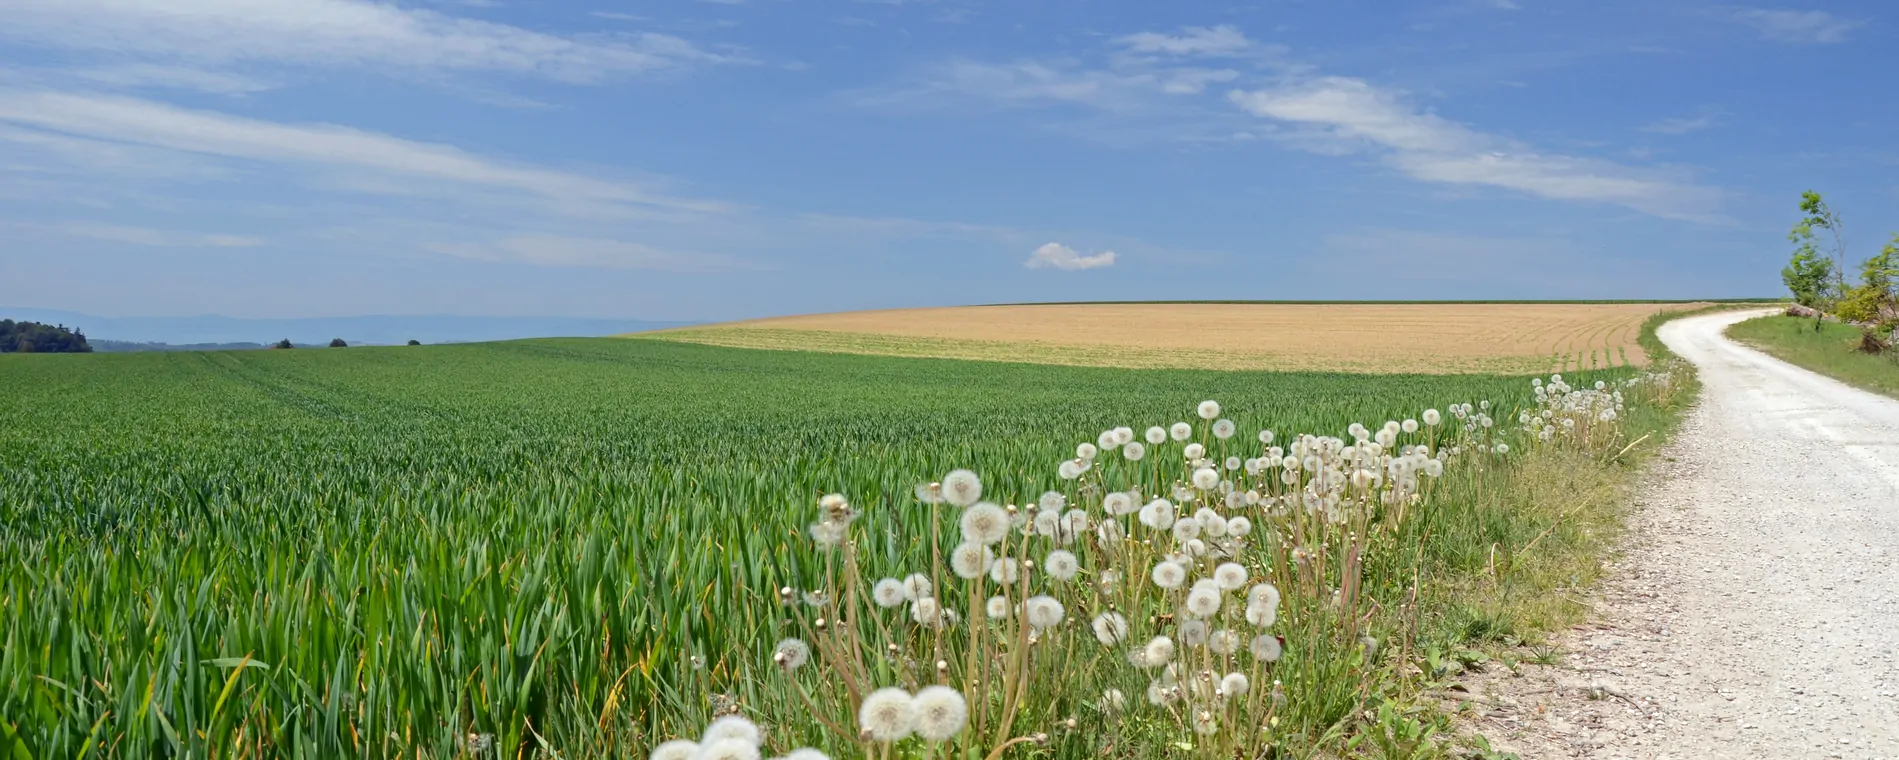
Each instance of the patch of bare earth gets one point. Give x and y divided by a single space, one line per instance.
1427 338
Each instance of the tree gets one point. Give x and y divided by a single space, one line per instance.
1875 302
285 343
1816 276
414 342
338 343
36 338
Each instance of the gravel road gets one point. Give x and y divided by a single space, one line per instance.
1756 611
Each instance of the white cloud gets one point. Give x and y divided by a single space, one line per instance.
335 33
1797 27
1223 40
175 77
119 233
559 250
1341 114
366 159
1058 256
1681 125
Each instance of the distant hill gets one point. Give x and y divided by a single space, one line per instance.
363 330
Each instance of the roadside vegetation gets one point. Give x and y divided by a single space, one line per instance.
1832 350
589 548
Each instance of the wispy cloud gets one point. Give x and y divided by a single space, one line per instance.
119 233
1058 256
1797 27
1224 40
350 33
173 77
1682 125
1341 115
559 250
368 159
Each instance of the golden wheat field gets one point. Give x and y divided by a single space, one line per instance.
1421 337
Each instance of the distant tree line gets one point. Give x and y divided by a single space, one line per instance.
36 338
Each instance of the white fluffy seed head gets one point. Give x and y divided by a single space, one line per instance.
1206 479
1204 602
1223 641
1005 570
997 607
1060 565
1209 409
1123 435
1133 452
677 749
1111 628
1117 503
1431 417
1239 526
1052 500
985 523
917 586
927 612
969 560
962 488
1169 575
1186 529
1194 451
1235 684
888 593
940 712
791 654
1193 633
1180 431
1230 575
727 749
806 754
1224 429
1158 514
1158 651
1043 612
1266 648
1156 435
732 727
1113 701
887 714
1409 426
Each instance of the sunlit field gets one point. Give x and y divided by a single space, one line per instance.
585 548
1502 338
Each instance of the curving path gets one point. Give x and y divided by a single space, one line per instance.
1757 613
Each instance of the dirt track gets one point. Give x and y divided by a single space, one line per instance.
1755 613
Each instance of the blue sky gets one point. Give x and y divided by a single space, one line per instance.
686 159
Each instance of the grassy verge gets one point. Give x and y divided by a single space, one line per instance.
1830 351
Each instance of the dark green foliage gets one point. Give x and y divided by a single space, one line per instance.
338 343
285 343
414 342
36 338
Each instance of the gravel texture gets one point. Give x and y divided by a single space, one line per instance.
1754 612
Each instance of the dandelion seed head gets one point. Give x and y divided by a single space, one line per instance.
791 654
1159 694
806 754
1133 452
1204 602
1110 532
1158 651
1239 526
1205 723
1180 431
962 488
1113 701
1117 503
1235 684
887 714
997 607
1230 576
1106 442
1206 479
1060 565
1432 418
1224 429
827 534
917 586
940 712
727 749
1110 628
1266 648
1186 529
1193 633
1158 514
985 523
969 560
1043 612
1169 575
1123 435
1194 451
888 593
1263 595
1223 641
731 727
1005 570
1156 435
1069 469
677 749
927 612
